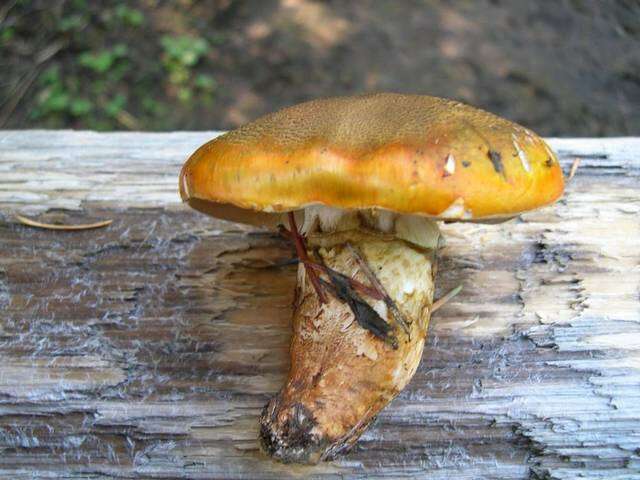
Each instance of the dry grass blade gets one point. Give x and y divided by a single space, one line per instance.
442 300
53 226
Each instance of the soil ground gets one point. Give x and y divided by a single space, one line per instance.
566 67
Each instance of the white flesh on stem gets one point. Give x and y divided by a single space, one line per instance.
342 374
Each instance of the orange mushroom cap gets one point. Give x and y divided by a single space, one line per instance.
410 154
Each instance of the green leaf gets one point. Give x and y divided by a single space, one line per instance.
115 105
129 16
80 106
51 75
178 75
120 50
205 82
56 101
6 34
99 62
184 50
103 60
149 104
72 22
154 107
184 94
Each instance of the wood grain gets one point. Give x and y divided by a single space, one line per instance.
148 348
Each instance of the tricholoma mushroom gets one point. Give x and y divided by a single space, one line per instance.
358 185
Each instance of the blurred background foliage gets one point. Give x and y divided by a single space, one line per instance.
564 67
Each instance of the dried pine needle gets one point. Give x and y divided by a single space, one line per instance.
397 314
444 299
574 168
54 226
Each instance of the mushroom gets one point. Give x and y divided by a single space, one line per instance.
358 185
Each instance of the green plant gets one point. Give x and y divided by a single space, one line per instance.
103 60
6 34
182 51
69 96
59 98
180 55
129 16
102 77
205 82
115 105
72 22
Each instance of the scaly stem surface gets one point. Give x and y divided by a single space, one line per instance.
343 368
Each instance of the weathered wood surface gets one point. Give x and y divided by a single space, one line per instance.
148 348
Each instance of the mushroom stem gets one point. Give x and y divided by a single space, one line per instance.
349 356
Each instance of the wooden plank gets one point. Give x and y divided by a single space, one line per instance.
148 348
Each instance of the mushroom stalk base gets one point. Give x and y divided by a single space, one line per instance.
343 371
